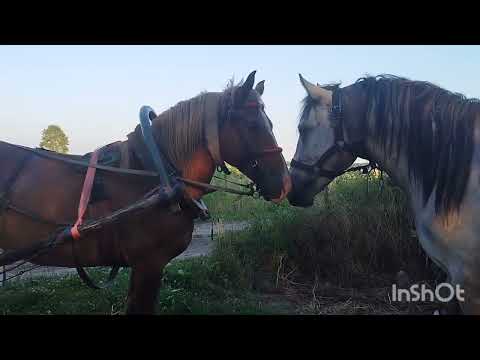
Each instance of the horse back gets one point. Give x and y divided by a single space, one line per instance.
50 189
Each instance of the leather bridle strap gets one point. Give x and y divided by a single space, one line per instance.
336 118
316 169
252 157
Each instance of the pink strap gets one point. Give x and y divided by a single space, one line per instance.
85 196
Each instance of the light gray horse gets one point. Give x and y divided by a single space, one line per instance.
427 140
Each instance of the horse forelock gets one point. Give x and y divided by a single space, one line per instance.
433 126
306 106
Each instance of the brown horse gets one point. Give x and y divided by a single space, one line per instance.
194 135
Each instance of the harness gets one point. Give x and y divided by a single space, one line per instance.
339 145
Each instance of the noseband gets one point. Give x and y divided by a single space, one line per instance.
336 118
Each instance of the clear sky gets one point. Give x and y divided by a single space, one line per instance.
95 92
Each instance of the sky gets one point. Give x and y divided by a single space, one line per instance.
94 93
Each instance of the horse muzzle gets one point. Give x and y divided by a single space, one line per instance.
286 188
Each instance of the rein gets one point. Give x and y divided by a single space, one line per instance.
145 173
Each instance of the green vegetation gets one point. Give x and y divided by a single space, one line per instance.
228 207
346 250
339 256
191 286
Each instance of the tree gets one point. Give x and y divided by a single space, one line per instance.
53 138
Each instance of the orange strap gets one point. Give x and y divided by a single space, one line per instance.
85 196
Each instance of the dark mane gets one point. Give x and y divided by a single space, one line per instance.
307 104
434 126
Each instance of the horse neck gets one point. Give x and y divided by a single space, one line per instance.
359 128
200 167
393 163
197 163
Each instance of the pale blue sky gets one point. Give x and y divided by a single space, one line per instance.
95 92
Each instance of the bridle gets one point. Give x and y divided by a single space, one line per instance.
252 157
340 145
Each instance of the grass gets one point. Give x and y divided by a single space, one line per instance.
230 207
190 287
338 257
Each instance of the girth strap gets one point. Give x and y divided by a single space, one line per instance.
82 208
85 195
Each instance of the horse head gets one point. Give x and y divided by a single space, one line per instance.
247 141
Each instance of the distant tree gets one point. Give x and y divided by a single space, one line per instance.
53 138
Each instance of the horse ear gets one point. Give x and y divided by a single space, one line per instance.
260 87
248 85
314 91
244 90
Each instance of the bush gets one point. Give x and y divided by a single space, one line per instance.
358 233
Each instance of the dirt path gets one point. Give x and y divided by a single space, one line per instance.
202 234
201 245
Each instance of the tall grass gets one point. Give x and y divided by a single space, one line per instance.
347 249
358 233
226 206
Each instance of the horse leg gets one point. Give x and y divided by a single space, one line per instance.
434 246
451 307
143 291
471 289
463 272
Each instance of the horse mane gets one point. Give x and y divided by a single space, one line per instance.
180 129
433 125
